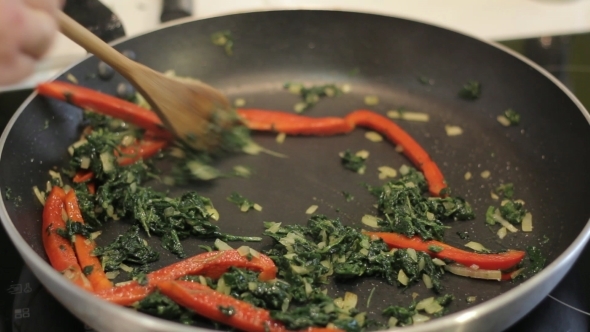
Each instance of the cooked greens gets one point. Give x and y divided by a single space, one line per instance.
407 211
353 162
312 95
470 90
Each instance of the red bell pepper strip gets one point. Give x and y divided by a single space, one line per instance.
146 148
211 264
292 124
59 250
500 261
105 104
411 148
84 248
127 156
207 302
83 176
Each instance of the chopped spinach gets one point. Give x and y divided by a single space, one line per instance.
512 116
225 39
536 261
347 196
352 161
407 211
404 315
242 202
312 95
309 255
513 211
128 248
470 91
434 248
506 190
87 270
73 228
490 215
157 304
227 311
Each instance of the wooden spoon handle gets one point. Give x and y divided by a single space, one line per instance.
81 36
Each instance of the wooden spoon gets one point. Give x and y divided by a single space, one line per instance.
196 113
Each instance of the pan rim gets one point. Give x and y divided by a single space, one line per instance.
560 265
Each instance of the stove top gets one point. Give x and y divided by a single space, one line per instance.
26 306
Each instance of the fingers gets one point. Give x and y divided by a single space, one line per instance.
37 32
49 6
16 68
27 29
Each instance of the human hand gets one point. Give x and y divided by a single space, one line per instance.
27 29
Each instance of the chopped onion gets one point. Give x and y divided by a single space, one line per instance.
399 148
311 210
370 221
503 120
222 287
125 268
360 318
485 174
427 281
471 299
371 100
476 246
412 253
402 278
255 149
346 88
418 318
300 107
240 102
177 153
308 288
516 273
123 283
72 78
421 264
424 303
243 251
498 218
84 162
350 301
257 207
502 232
465 271
299 269
281 138
95 235
213 213
494 196
438 262
221 246
392 322
453 130
373 136
40 196
468 176
112 274
106 158
409 116
202 171
386 172
275 226
527 222
362 153
404 169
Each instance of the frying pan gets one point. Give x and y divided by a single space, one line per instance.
545 156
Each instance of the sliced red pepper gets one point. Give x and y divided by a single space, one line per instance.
411 148
292 124
105 104
84 248
146 148
83 176
91 187
211 264
208 303
500 261
59 250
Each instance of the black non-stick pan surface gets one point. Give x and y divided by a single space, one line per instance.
546 156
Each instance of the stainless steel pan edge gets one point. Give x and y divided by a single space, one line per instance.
104 316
